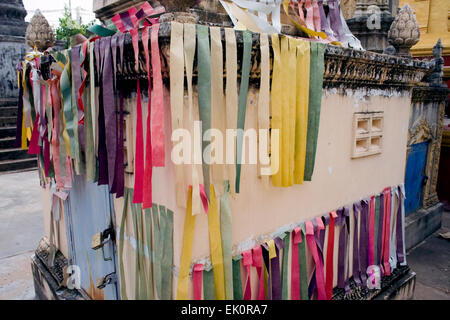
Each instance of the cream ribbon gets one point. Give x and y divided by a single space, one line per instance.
177 99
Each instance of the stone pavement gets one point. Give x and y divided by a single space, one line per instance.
431 261
21 228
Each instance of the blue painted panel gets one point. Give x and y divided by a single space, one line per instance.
89 211
415 175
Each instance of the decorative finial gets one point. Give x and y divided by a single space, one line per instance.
39 33
404 31
437 75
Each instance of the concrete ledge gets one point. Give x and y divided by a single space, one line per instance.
421 224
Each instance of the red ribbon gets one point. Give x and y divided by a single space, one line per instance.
83 83
138 196
148 171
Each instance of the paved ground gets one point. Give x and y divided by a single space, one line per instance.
21 228
431 261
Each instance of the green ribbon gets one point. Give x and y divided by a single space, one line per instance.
148 229
71 124
157 249
242 106
302 265
285 267
166 219
315 103
237 282
226 231
208 284
123 290
204 93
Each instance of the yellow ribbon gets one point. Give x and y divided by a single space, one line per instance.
276 110
186 253
215 243
302 103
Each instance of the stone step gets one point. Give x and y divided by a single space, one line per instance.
8 111
7 143
8 121
7 132
17 165
15 154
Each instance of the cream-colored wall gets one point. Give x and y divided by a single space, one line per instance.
338 179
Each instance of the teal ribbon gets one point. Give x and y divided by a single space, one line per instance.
204 93
101 31
242 106
208 284
237 281
315 104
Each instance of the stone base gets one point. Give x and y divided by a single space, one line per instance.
45 286
402 289
421 224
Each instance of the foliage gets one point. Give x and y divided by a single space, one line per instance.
69 27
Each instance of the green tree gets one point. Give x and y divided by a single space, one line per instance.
69 27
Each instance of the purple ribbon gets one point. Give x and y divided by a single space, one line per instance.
274 292
126 20
109 109
343 215
102 152
380 233
335 19
356 265
399 228
364 240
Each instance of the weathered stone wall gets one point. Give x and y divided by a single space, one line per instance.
12 51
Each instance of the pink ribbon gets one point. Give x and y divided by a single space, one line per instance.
258 264
386 232
248 261
295 265
320 280
158 138
372 232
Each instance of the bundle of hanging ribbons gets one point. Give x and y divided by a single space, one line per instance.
299 262
320 20
77 123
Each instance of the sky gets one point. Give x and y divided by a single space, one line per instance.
53 10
